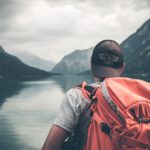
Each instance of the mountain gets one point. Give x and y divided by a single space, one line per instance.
12 67
34 61
75 62
137 50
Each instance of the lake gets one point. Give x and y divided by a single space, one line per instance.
27 110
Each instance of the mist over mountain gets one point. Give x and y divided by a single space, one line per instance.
34 61
12 67
75 62
136 50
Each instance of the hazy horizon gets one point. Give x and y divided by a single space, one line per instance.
51 29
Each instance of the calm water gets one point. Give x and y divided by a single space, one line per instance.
27 110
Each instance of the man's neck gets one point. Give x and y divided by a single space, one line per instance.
99 79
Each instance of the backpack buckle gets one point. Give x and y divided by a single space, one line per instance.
142 120
105 128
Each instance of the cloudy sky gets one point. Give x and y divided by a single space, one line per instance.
51 29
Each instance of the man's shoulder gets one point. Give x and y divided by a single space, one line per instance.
76 92
77 89
74 89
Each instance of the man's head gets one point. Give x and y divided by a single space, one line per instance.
107 59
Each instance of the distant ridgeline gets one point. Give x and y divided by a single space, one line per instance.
137 58
74 63
136 49
14 68
33 60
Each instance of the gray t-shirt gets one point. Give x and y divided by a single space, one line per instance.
71 108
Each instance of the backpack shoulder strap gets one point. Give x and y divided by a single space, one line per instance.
77 139
81 130
87 90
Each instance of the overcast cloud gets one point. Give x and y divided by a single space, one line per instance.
53 28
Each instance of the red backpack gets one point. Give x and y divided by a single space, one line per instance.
120 116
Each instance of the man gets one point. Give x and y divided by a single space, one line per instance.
106 61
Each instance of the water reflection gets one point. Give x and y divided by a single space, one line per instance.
68 81
28 113
8 89
29 108
8 138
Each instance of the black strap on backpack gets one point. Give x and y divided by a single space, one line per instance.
77 139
